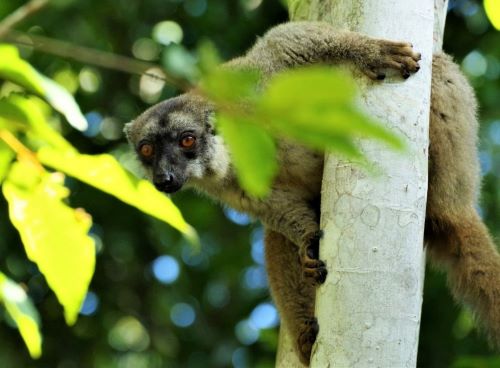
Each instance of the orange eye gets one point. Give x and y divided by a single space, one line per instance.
146 150
188 141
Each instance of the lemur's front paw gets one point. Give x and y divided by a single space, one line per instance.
391 55
313 268
307 337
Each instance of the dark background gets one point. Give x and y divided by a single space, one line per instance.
216 311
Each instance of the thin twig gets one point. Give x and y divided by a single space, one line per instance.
20 14
90 56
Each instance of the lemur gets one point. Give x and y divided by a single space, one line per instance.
178 145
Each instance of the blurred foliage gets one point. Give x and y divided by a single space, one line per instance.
152 301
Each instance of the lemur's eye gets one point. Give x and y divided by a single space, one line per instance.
146 150
188 141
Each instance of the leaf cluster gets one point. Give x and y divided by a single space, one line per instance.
34 159
313 106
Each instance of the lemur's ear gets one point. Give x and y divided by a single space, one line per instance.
210 124
127 129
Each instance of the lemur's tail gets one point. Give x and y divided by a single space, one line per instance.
473 269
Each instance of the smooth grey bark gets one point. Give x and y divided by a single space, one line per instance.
369 308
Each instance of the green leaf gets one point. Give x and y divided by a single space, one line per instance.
54 235
63 101
18 71
208 57
24 314
105 173
330 141
317 87
26 114
492 8
6 157
12 117
316 106
253 153
229 86
326 129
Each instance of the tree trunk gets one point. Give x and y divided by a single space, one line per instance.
369 308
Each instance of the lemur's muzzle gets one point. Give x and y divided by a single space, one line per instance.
167 183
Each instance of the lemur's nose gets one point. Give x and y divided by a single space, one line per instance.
160 180
166 182
169 178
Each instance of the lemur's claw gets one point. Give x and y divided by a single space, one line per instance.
315 270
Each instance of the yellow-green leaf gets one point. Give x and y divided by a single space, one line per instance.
316 106
492 8
229 86
54 235
16 70
23 313
102 172
63 101
253 153
26 113
318 87
6 157
208 57
105 173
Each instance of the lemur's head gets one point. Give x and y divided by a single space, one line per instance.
176 142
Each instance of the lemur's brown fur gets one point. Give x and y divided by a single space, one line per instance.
455 234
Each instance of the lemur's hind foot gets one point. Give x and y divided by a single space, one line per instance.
307 338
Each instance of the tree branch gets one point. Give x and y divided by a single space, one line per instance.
78 53
20 14
90 56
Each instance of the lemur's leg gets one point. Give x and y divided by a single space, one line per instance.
455 235
300 43
294 296
293 217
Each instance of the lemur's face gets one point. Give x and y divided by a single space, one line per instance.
176 143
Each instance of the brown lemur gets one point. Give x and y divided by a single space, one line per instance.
178 145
